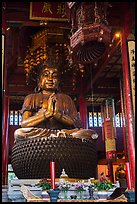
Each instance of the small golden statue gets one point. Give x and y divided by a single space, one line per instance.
49 113
63 174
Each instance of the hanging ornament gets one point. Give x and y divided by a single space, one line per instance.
91 34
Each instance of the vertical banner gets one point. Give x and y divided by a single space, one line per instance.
131 58
102 116
109 128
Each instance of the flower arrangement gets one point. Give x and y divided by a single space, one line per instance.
64 186
80 187
44 183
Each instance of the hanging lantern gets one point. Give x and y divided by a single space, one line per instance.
91 34
109 128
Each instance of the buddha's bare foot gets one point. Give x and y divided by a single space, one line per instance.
85 134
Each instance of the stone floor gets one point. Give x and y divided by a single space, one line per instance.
5 194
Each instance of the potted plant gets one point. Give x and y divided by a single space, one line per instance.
47 192
103 185
102 188
45 184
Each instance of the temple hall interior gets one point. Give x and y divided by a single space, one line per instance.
89 134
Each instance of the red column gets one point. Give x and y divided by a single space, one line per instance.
5 142
83 111
128 175
123 121
83 107
129 113
3 17
5 101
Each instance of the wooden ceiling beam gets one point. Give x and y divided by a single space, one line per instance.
110 83
111 66
17 17
101 67
107 91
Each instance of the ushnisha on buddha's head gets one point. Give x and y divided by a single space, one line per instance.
48 79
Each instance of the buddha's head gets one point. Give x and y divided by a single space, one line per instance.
48 79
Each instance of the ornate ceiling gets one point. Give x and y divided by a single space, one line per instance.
99 80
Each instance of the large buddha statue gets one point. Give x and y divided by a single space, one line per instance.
51 129
49 112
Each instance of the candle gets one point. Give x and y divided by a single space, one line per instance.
52 174
128 176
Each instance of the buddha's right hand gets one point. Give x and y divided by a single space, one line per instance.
48 114
50 108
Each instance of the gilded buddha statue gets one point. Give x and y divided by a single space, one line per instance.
50 113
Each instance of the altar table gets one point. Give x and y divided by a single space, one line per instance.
95 201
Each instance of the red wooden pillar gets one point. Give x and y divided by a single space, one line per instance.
83 107
5 102
127 92
123 121
128 175
83 110
5 142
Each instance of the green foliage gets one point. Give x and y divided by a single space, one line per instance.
44 184
103 185
64 186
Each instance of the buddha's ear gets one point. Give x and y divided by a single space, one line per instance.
56 91
39 88
57 87
36 89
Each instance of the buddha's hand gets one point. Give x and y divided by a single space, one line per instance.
51 108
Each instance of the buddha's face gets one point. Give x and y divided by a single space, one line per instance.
49 79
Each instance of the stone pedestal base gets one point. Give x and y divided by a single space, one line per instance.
14 193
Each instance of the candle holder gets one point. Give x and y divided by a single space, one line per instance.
53 193
91 190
